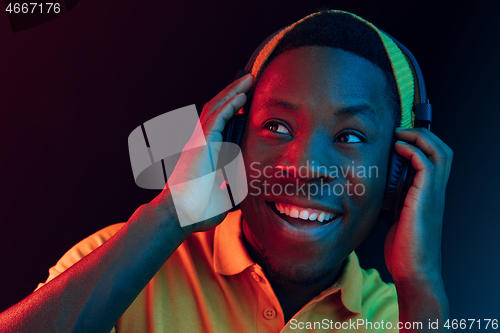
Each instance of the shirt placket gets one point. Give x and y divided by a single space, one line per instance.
269 316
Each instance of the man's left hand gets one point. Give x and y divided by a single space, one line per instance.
413 243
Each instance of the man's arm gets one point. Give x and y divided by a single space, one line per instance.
91 295
413 243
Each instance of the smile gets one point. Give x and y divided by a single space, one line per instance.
304 213
300 228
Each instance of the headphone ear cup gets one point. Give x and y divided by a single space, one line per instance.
399 179
233 132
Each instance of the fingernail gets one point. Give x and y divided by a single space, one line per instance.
401 128
402 142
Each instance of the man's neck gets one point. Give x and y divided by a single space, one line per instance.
292 298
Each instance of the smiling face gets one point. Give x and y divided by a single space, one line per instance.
320 116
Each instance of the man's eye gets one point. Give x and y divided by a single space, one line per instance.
349 137
277 127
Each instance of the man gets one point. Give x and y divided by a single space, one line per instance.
326 93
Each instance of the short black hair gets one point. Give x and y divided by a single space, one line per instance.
343 31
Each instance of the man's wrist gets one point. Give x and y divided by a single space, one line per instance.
423 300
427 286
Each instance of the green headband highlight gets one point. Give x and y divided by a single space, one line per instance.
400 66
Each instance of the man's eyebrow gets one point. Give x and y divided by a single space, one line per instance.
276 102
358 110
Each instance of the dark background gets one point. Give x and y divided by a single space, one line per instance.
72 89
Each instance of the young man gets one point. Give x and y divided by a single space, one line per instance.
326 93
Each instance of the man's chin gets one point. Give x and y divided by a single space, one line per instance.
290 256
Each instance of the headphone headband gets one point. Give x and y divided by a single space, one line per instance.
415 109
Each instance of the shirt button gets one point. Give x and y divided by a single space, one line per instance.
269 313
255 276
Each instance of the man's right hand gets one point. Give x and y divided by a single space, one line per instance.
92 294
192 181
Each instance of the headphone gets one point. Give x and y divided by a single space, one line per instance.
400 172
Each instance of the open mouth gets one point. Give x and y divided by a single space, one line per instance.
302 218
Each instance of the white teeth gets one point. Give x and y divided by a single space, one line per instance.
321 217
280 207
303 213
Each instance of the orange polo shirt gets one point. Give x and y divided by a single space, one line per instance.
210 284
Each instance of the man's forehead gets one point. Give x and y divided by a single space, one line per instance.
313 77
319 69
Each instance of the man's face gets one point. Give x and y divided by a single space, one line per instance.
317 138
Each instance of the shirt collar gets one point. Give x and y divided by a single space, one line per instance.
351 284
231 257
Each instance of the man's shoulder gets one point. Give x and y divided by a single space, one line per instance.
81 249
200 243
87 245
192 243
92 242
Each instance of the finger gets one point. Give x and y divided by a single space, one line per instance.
425 168
432 146
425 140
241 85
449 160
217 120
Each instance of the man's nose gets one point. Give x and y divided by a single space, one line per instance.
309 159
